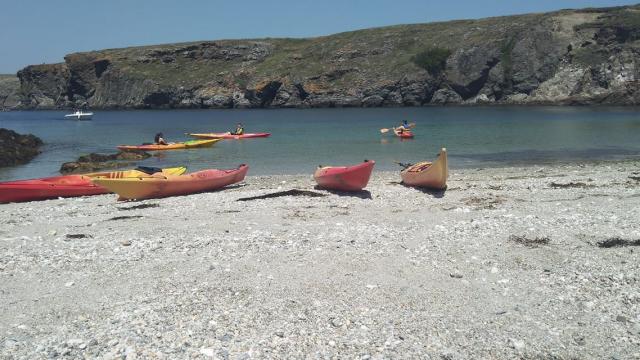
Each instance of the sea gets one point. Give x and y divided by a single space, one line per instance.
302 139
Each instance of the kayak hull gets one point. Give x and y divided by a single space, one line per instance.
64 186
158 186
344 178
405 135
428 175
230 136
177 146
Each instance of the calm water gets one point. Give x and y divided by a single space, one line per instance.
303 139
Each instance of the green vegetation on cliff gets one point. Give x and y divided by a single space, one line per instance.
570 56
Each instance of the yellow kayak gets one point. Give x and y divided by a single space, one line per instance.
135 173
159 186
428 174
175 146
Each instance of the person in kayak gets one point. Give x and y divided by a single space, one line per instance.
239 130
402 128
159 139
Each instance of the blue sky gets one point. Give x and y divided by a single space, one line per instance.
43 31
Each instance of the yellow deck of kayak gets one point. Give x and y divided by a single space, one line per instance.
181 145
133 173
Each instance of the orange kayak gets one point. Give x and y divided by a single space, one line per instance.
426 174
66 186
176 146
159 186
344 178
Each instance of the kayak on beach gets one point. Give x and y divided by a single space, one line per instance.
427 174
344 178
228 135
175 146
70 185
160 185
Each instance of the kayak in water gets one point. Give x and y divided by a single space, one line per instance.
229 135
175 146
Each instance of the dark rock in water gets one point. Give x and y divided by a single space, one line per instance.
96 162
16 149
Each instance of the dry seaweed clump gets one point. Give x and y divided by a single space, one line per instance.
617 242
530 242
569 185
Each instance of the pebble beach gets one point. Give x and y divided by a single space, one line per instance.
538 262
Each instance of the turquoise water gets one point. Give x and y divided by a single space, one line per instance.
303 139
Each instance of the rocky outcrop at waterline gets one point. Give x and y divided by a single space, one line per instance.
96 162
584 56
16 149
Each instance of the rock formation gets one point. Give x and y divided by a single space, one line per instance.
96 162
9 88
16 149
584 56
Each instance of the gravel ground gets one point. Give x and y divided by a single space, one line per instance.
507 263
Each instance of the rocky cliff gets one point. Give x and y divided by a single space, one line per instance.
9 87
584 56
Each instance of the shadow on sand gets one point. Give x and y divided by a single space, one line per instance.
362 194
436 193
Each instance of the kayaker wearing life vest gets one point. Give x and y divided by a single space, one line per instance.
239 130
402 128
159 140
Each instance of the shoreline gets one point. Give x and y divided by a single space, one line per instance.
505 263
462 105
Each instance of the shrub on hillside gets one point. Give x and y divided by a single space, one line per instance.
433 59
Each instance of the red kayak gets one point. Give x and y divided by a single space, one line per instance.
67 185
345 178
407 134
48 188
229 136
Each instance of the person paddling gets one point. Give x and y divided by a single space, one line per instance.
402 128
159 139
239 130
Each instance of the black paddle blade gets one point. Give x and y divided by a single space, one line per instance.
148 169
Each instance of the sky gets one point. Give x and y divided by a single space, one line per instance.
43 31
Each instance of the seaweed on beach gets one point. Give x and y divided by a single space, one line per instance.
617 242
125 217
530 242
292 192
141 206
636 178
569 185
77 236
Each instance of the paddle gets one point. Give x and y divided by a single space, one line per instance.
386 130
404 166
